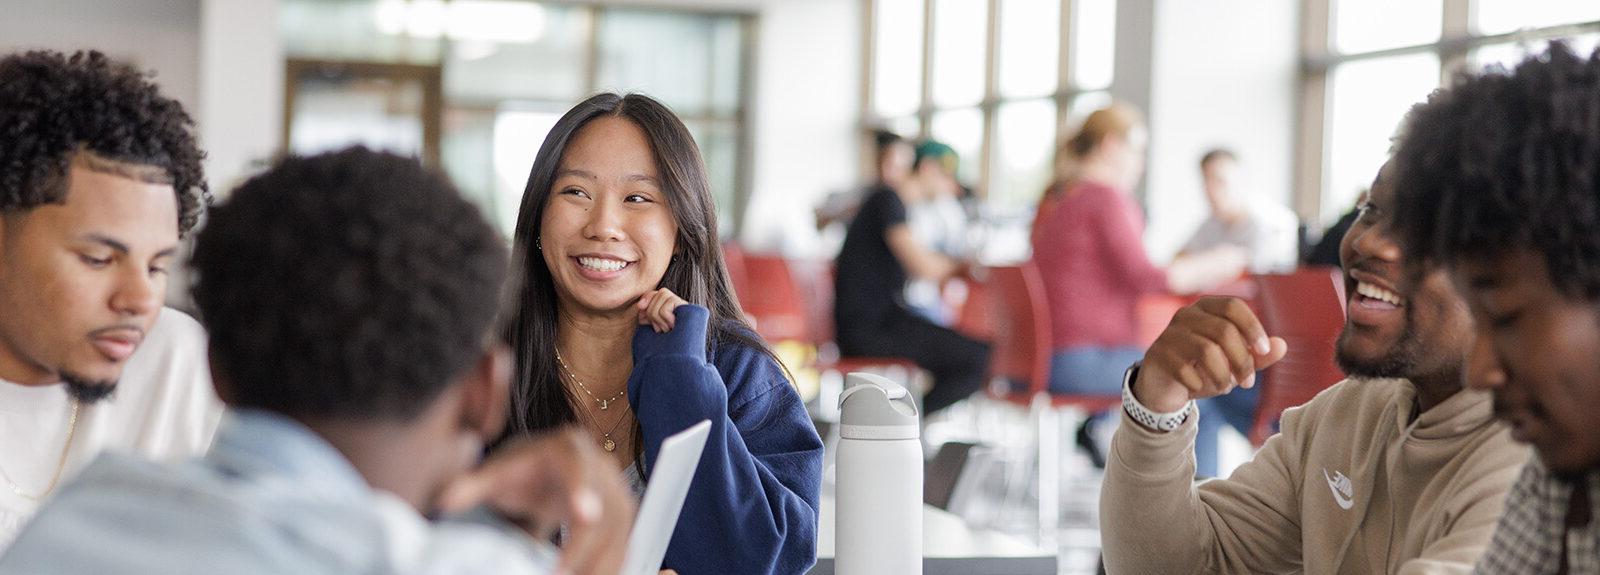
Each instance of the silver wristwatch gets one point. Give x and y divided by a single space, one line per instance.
1153 420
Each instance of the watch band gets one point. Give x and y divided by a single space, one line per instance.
1142 414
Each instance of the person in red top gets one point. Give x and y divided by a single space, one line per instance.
1088 248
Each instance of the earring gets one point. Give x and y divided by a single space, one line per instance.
674 259
536 244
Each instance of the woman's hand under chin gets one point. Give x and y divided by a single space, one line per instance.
655 309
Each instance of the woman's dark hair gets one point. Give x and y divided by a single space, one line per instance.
54 106
698 275
1507 160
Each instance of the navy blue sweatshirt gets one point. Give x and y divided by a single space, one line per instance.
752 507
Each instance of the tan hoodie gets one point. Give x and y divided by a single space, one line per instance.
1350 485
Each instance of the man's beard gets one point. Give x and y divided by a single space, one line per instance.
1399 362
85 390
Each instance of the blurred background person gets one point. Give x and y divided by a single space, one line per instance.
893 158
1088 247
881 254
1264 229
938 220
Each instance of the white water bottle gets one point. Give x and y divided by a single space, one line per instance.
878 491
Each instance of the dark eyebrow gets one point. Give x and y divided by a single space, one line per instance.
108 242
123 248
578 173
591 176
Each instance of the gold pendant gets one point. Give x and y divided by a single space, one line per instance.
609 445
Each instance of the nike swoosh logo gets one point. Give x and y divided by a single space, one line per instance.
1345 502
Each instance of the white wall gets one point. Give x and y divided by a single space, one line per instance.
159 35
1223 73
241 88
807 79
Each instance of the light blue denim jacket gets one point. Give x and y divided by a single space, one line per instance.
272 497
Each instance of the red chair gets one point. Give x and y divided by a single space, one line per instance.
793 300
773 300
733 256
1306 309
1020 360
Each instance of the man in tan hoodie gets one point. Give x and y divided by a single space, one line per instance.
1394 470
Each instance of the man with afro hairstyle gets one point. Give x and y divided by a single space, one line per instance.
100 177
1500 182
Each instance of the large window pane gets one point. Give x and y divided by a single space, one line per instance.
897 57
547 63
1024 147
1369 98
1094 33
391 31
333 112
467 152
727 65
519 130
1030 45
719 146
963 130
1510 54
960 34
1500 16
667 55
1365 25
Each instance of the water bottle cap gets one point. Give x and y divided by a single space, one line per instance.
872 407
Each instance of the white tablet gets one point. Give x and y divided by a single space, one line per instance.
663 499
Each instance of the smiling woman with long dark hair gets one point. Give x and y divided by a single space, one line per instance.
628 325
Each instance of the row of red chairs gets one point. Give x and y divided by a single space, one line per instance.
792 300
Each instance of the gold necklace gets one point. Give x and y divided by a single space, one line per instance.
607 443
605 404
72 429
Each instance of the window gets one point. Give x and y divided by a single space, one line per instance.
508 70
1379 58
987 78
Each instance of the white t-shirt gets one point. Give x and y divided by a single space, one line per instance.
1270 233
163 408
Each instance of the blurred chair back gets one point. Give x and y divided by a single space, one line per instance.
1021 321
773 299
738 274
1306 309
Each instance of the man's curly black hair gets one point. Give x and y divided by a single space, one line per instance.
353 284
1507 160
52 106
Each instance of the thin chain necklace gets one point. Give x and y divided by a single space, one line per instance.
72 429
605 404
606 442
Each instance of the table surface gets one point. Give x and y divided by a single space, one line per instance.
950 546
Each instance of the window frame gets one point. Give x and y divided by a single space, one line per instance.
440 102
1320 58
1062 97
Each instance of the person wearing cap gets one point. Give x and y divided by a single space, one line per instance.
881 254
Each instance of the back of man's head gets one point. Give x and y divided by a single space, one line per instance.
53 106
1508 160
353 285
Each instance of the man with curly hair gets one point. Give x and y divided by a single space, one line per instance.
99 178
352 302
1500 182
